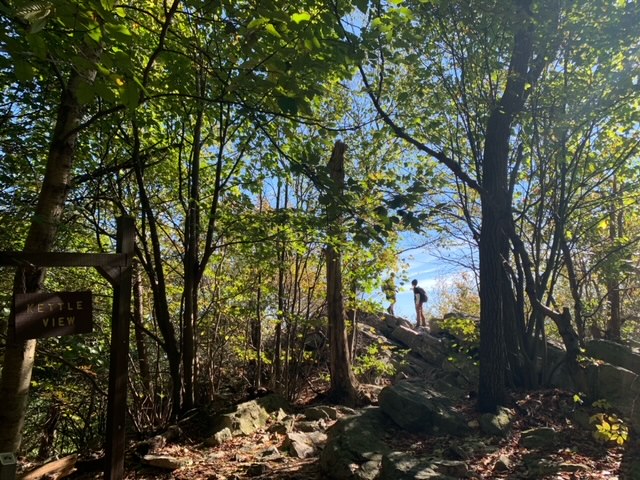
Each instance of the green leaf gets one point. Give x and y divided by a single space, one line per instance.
257 22
95 34
362 5
301 17
287 104
85 93
270 28
24 71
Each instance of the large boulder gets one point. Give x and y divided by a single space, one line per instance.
430 348
619 386
355 446
417 407
614 353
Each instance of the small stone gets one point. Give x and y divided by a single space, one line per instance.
498 424
299 445
502 464
219 438
312 426
257 469
271 453
321 413
473 424
572 467
162 461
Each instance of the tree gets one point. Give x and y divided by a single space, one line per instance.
343 382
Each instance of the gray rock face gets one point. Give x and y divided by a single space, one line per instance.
614 353
355 446
426 346
619 386
417 408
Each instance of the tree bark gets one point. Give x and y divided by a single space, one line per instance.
343 382
614 323
496 214
138 313
19 356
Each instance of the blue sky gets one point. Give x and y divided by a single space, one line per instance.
433 272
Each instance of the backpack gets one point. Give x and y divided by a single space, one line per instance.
422 293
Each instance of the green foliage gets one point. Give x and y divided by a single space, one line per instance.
375 364
609 428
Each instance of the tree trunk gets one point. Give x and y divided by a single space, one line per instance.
614 323
138 313
343 382
19 356
191 266
496 214
155 271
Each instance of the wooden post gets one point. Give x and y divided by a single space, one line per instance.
7 466
117 269
117 401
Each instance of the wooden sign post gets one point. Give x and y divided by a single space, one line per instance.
42 313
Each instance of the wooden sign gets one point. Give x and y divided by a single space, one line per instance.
53 314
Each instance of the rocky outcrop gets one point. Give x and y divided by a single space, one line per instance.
615 354
417 407
355 446
250 416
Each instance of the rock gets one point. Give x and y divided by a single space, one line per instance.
615 354
355 446
317 438
280 415
300 445
270 453
283 426
311 426
573 467
219 438
249 416
426 346
162 461
418 408
542 438
257 469
320 412
619 386
452 468
502 464
498 424
404 466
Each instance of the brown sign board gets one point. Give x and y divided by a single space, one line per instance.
52 314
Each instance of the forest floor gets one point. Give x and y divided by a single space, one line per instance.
579 456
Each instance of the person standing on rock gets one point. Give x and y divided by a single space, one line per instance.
389 289
420 298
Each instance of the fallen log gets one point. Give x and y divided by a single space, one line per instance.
55 470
